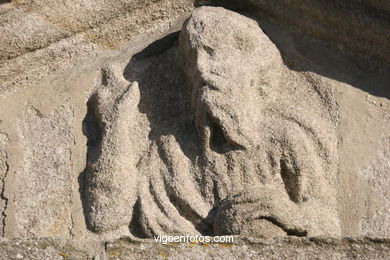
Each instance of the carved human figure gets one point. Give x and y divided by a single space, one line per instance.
265 156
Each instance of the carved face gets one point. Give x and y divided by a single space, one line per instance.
267 158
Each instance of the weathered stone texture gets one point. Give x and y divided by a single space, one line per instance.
141 118
42 202
247 249
50 248
3 173
362 26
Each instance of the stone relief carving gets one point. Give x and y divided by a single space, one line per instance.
237 144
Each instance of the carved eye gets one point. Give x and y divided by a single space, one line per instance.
218 141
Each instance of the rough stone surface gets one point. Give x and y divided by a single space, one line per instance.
363 26
43 207
3 172
377 174
255 249
243 248
112 171
116 119
54 36
49 248
260 127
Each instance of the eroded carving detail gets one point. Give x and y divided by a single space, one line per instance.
252 146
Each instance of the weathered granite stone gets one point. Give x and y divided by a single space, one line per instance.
255 249
43 202
269 123
269 134
3 173
359 25
243 248
49 248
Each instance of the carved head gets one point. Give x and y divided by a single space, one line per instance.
267 158
268 135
